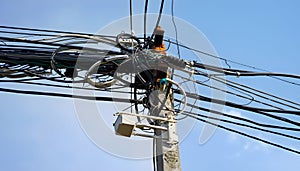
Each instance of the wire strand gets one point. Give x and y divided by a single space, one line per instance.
247 135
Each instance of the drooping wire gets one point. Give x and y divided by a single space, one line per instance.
242 125
246 135
260 111
251 98
239 118
231 61
250 90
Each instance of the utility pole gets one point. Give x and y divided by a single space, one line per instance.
166 143
162 115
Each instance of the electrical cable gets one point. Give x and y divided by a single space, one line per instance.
175 28
240 73
145 20
242 125
246 108
50 31
130 13
231 93
25 82
158 18
240 118
238 86
234 62
247 135
108 99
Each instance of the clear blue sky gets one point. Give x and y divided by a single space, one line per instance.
43 133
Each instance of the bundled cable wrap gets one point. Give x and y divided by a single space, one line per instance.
175 61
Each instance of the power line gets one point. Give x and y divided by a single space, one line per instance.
246 135
231 61
250 89
251 98
242 125
246 108
240 118
239 73
73 96
47 31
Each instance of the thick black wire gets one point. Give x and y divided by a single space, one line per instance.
53 31
63 86
26 47
145 20
236 72
247 135
130 13
240 73
108 99
159 17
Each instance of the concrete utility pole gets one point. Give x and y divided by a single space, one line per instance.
166 150
166 144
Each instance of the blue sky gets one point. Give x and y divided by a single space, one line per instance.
42 133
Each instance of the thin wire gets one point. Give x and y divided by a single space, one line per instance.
234 62
247 135
246 108
238 86
243 125
231 93
175 28
239 73
240 118
47 31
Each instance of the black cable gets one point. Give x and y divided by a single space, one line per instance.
240 118
160 13
239 86
62 86
108 99
158 18
247 135
26 47
246 108
46 43
234 62
49 31
130 13
252 99
239 73
145 20
242 125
